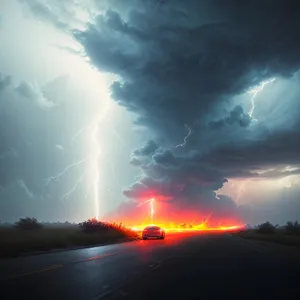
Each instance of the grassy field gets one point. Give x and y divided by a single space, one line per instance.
278 236
14 241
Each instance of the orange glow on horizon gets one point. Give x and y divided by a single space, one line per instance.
177 219
189 227
178 227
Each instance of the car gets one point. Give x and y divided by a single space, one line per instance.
153 232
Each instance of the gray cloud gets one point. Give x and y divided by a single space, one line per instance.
46 13
33 93
149 148
236 116
190 62
61 14
184 62
135 162
283 207
165 158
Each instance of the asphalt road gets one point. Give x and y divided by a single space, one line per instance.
183 266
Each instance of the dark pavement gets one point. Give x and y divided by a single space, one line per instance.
183 266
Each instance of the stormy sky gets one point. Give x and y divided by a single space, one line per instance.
195 103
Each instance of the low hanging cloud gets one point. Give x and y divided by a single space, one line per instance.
180 63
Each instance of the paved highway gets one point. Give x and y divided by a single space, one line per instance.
183 266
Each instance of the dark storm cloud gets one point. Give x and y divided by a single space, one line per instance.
236 116
140 155
182 62
174 70
179 180
165 158
149 148
245 160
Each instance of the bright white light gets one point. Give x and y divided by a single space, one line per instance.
285 182
96 157
254 91
151 207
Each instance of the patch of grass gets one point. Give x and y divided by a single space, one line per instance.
15 241
287 235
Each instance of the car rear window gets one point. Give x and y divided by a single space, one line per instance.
153 227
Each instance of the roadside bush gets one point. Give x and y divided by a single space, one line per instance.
94 225
292 227
247 227
28 224
266 228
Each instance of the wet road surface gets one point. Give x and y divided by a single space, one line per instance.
183 266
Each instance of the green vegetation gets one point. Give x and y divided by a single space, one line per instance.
285 235
28 236
28 224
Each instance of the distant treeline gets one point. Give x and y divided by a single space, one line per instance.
268 227
66 223
91 225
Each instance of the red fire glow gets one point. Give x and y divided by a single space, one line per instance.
165 215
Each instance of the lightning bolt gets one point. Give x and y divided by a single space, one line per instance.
255 91
96 159
97 175
152 211
94 128
56 177
207 219
67 195
77 134
151 208
186 137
